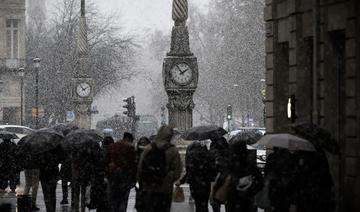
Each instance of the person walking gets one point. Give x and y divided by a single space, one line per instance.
200 172
313 184
280 170
121 172
49 175
32 183
219 148
86 163
65 175
140 146
8 165
159 167
245 180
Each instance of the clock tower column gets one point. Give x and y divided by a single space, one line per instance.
83 86
180 71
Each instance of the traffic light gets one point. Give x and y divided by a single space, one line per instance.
128 106
229 112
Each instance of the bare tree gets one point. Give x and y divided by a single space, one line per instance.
110 55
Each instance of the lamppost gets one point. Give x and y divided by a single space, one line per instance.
162 116
37 66
263 95
21 75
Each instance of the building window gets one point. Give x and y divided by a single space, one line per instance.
12 38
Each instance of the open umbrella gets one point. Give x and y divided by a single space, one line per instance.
83 138
8 135
65 128
321 138
287 141
249 137
33 148
203 133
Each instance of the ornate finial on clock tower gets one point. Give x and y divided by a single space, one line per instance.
82 44
180 45
180 12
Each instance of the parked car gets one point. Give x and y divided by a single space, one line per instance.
19 130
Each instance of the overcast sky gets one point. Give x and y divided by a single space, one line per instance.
144 14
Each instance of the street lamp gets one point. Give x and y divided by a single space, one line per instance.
21 75
263 95
37 66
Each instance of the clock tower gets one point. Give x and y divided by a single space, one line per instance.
180 71
83 85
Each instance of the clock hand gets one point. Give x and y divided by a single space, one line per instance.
182 72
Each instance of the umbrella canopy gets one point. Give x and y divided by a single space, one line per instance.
65 128
203 133
7 135
286 141
83 138
33 147
249 137
321 138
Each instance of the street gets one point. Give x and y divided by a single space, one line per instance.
11 198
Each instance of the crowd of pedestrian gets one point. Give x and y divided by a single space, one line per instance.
222 174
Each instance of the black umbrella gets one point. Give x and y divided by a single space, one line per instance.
203 133
83 138
7 135
65 128
33 148
249 137
318 136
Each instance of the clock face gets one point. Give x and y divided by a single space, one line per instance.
181 74
83 89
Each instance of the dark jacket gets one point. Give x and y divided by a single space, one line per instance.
200 167
87 162
219 149
122 163
313 183
240 167
280 169
8 164
173 163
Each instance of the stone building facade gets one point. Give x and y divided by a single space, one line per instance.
12 57
313 54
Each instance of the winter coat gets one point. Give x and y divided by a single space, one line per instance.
200 167
65 171
313 183
173 163
122 163
49 166
280 169
220 151
241 192
86 163
8 165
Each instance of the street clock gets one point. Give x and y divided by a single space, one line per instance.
83 89
181 74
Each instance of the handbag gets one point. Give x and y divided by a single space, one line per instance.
221 194
178 194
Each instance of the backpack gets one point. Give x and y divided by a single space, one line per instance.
154 165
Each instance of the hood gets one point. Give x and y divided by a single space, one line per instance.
165 133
